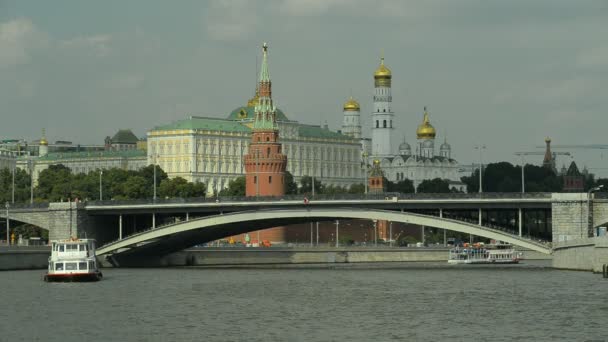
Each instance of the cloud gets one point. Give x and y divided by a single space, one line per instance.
230 20
592 58
98 44
18 39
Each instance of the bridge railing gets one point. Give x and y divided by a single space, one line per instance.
301 197
38 205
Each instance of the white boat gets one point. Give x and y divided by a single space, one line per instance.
73 260
489 254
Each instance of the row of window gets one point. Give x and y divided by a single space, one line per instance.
384 124
70 248
74 266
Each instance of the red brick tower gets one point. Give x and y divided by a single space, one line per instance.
265 163
376 180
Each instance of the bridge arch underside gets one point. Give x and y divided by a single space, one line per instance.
168 239
18 219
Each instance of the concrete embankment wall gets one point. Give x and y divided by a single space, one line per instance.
24 260
209 257
587 254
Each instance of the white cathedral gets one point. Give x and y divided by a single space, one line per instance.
402 163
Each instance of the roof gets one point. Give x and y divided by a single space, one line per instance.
94 154
124 136
310 131
248 112
202 123
573 170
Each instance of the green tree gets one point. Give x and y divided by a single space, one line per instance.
333 189
291 187
236 187
436 185
306 185
405 186
135 187
357 189
22 186
180 188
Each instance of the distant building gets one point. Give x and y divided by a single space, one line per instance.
7 159
574 181
123 140
549 159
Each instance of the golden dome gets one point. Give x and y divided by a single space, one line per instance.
425 129
547 140
382 71
351 105
43 141
255 99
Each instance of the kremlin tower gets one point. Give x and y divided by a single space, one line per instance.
426 137
351 125
265 164
382 116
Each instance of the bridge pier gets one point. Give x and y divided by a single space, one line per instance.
519 220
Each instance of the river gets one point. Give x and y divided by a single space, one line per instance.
376 302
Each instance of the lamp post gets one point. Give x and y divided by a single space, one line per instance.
523 183
154 165
313 175
390 234
13 188
364 155
100 185
257 174
480 148
375 233
590 232
8 225
30 163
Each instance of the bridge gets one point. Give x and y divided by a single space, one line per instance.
162 226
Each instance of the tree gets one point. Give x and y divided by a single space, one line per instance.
22 185
357 189
436 185
405 186
333 189
291 187
306 185
236 187
180 188
135 187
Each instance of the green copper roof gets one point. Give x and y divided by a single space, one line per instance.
94 154
309 131
201 123
124 136
245 113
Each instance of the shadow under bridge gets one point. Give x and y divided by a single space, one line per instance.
176 237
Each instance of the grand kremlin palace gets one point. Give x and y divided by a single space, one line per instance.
211 150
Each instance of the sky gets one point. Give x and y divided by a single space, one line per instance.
503 74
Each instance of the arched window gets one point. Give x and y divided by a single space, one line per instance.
269 179
268 152
377 124
255 179
384 111
384 123
391 124
267 138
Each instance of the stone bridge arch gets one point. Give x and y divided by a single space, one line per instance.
38 218
175 237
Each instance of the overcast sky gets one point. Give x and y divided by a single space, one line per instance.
500 73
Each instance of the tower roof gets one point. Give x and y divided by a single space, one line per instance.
382 71
124 136
425 129
351 105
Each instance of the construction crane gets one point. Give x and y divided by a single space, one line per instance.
522 154
587 147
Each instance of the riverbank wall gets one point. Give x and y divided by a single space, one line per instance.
24 259
586 254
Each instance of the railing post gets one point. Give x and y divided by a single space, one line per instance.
153 220
187 216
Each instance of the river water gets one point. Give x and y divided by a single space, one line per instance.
386 302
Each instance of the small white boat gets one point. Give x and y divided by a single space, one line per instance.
488 254
73 260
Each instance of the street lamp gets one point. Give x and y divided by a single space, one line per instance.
390 233
480 148
375 233
100 185
154 197
13 188
313 175
364 158
590 232
8 225
337 229
30 163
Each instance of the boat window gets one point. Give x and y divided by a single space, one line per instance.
61 248
70 266
91 265
81 247
58 266
72 248
82 265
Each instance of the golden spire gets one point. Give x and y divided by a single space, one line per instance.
382 71
351 105
426 130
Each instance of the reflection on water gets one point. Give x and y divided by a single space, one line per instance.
389 302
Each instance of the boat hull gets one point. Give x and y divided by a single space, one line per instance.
73 277
514 261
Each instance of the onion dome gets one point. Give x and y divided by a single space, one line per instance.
43 141
376 171
255 99
351 105
425 129
382 71
405 148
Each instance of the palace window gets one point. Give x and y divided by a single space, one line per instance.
377 124
269 179
384 123
255 179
